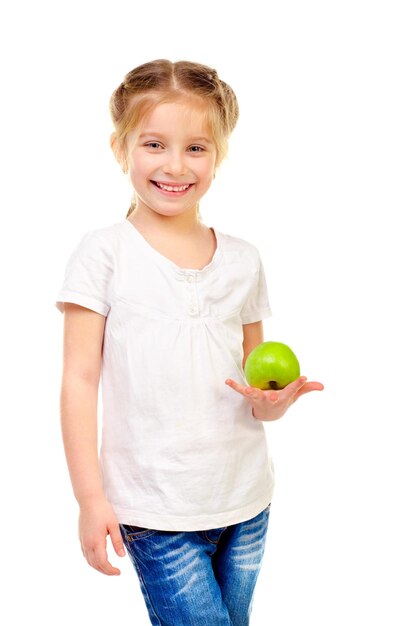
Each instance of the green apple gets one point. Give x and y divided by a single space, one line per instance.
271 365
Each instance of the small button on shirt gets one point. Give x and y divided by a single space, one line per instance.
180 450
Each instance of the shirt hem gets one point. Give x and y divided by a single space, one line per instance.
82 300
196 523
256 316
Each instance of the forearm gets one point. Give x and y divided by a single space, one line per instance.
78 402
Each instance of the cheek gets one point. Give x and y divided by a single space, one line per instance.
207 170
143 161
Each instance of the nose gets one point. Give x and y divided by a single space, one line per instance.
175 163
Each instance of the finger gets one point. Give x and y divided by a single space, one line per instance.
253 393
249 392
116 539
82 548
233 384
310 386
97 557
289 393
292 388
317 386
274 397
299 382
103 565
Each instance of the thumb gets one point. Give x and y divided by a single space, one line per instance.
116 539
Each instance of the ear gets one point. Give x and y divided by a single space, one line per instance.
118 152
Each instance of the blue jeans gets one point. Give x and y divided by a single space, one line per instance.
198 578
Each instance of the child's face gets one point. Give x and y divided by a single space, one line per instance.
174 147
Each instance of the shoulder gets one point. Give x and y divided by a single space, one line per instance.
236 247
103 239
108 233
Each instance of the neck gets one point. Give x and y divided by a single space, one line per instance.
185 224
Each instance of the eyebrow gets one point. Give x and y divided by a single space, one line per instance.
150 134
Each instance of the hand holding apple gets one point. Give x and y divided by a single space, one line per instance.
273 374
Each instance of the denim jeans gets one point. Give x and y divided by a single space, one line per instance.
198 578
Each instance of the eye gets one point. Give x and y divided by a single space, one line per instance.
152 144
197 149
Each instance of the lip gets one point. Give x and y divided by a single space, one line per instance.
171 194
171 183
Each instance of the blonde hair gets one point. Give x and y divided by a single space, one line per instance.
161 81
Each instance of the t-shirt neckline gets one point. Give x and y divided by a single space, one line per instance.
168 262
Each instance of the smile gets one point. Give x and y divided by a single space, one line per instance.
173 188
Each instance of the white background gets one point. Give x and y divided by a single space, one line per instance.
320 176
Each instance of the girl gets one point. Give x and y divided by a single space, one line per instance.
168 309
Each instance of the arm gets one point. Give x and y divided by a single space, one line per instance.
253 336
269 405
82 353
83 333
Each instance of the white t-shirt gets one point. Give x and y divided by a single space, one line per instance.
180 450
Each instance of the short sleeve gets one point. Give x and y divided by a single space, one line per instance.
87 275
257 305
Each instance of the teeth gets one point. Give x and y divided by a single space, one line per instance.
169 188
